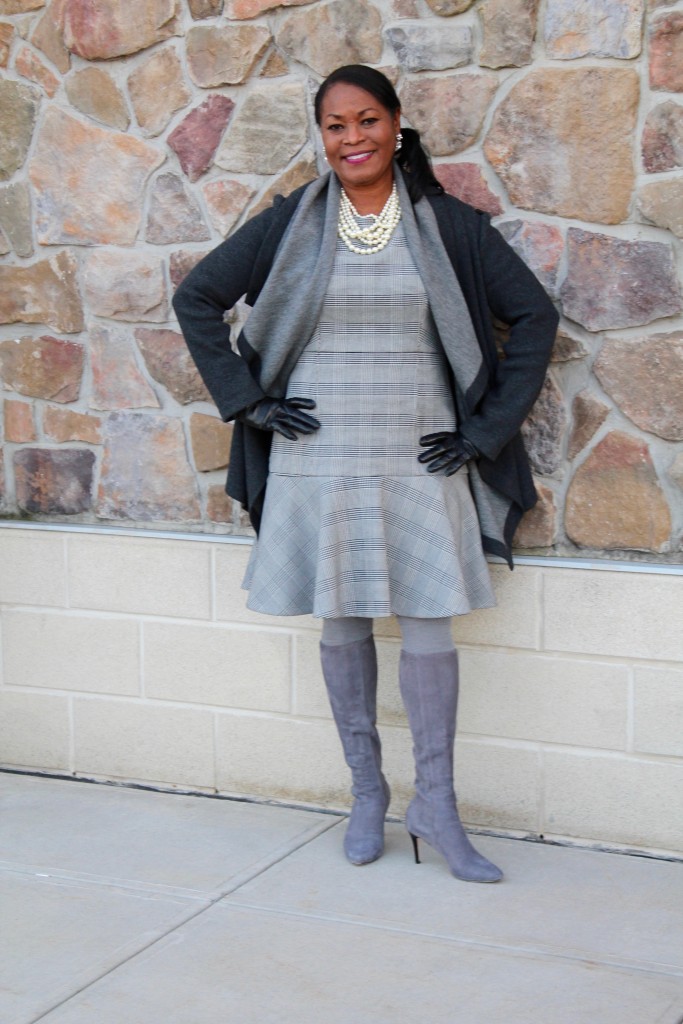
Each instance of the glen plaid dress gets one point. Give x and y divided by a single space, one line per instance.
352 523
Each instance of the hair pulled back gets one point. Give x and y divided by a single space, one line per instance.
412 157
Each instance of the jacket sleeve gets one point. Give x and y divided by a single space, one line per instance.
201 301
514 295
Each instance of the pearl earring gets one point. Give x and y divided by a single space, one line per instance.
399 142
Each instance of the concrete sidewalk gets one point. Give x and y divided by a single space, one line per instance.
127 907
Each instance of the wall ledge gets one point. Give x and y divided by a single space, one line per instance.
539 561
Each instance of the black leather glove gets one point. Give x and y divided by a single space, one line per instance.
281 414
447 451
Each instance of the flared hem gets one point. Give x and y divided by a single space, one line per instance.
369 547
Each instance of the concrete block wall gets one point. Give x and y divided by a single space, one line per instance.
133 658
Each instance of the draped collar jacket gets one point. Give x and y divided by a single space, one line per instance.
495 283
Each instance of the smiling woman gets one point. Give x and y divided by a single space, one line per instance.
372 295
360 138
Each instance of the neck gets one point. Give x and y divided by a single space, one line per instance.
371 199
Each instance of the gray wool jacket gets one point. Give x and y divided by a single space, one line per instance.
494 282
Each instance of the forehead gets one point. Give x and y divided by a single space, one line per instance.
349 100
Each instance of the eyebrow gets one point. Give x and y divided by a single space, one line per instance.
340 117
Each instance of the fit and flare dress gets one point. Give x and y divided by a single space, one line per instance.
353 524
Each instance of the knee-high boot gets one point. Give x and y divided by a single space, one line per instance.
350 672
429 687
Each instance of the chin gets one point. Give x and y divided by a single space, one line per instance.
354 180
359 176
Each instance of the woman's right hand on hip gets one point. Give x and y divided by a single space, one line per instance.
283 415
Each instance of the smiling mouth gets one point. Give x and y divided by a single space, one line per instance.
358 158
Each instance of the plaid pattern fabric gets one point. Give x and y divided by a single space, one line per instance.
352 523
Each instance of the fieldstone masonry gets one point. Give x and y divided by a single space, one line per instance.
19 424
157 90
601 28
125 286
448 111
46 368
662 142
54 481
6 33
468 182
174 214
561 141
145 473
98 31
509 29
94 92
196 138
88 183
134 137
18 112
47 36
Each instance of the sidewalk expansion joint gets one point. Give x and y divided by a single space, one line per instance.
522 950
209 900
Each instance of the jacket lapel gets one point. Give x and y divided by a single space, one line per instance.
288 307
446 300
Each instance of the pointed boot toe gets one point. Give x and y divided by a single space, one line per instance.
429 686
477 869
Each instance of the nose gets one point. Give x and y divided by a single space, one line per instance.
353 134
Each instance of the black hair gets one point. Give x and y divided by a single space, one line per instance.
412 157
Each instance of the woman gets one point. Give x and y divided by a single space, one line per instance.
372 294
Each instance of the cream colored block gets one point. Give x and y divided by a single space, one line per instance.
301 760
133 740
33 568
148 576
280 758
217 665
311 695
387 627
658 711
627 615
515 621
389 704
231 600
498 786
34 731
552 700
613 799
71 652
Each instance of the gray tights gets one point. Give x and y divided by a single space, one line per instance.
420 636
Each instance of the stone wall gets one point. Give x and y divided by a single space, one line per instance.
134 136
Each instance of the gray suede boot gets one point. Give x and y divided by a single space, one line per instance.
429 687
350 672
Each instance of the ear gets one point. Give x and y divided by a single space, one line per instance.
397 120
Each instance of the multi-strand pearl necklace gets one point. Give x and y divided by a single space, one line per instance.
377 234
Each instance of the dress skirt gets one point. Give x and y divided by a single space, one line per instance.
353 524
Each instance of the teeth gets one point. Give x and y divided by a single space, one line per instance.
356 157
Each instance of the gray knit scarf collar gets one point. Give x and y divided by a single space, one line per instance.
287 310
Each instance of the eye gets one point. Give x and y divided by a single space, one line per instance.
370 120
333 127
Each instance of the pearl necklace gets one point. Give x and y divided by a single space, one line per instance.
377 234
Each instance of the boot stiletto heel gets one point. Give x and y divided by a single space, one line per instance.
429 686
414 839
